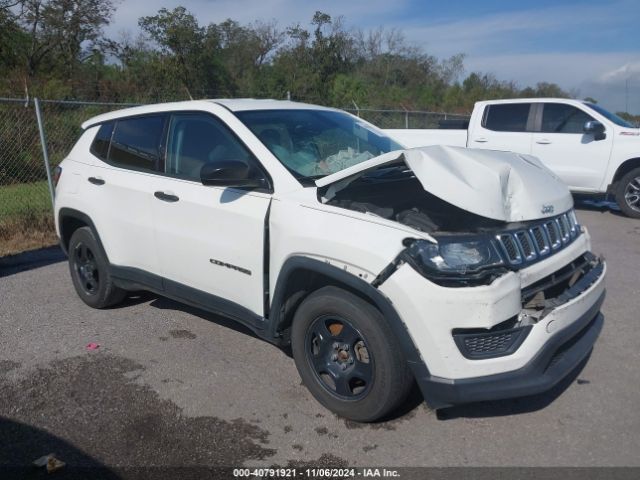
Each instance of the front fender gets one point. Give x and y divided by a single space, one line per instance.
289 280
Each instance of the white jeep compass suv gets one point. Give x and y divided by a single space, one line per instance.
465 271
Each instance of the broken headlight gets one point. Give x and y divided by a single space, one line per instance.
457 260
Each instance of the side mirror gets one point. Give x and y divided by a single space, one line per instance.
228 173
596 129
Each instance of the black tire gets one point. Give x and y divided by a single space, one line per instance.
627 192
361 384
90 271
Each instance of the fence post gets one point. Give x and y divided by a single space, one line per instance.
406 118
45 153
357 108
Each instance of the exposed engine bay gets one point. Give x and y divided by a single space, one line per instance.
401 197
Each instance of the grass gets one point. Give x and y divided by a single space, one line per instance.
24 198
26 220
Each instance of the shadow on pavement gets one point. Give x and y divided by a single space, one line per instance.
165 303
513 406
30 260
597 204
22 444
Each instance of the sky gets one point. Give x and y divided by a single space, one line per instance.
589 47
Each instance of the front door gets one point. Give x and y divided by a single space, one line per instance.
209 238
561 144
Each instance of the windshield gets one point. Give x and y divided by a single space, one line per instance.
610 116
316 143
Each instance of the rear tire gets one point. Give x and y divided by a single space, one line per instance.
627 192
347 355
90 271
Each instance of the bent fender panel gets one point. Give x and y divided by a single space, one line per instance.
301 226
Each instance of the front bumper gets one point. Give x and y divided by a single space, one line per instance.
557 359
432 314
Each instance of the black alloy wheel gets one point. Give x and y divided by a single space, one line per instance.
90 271
340 358
86 269
348 356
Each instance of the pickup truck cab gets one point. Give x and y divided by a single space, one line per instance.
463 270
592 150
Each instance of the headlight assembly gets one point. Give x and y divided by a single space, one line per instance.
457 260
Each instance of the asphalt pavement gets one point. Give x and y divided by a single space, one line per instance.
170 385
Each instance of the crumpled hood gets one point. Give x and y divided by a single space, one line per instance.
500 185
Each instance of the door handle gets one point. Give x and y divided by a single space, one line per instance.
96 180
481 140
543 141
166 197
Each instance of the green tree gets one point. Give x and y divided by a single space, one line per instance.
58 30
12 38
245 51
181 41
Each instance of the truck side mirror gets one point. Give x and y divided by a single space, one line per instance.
596 129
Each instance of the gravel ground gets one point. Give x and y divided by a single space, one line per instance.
173 386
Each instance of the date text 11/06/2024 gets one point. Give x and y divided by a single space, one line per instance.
315 473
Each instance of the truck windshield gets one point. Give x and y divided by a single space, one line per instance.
610 116
315 143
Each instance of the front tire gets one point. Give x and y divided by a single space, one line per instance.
347 355
628 193
90 271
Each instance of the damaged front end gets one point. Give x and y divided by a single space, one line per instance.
562 286
463 260
458 261
538 301
495 280
482 217
448 188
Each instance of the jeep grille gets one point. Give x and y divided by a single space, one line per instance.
534 243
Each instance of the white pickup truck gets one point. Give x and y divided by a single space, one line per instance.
592 150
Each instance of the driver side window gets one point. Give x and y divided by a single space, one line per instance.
562 118
195 139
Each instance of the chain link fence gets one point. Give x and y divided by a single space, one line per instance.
405 118
26 220
25 201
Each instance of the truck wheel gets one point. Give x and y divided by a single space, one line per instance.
348 356
90 271
628 193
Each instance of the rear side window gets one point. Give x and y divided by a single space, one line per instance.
136 142
506 117
561 118
100 145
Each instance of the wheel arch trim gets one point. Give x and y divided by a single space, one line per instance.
624 168
380 301
65 213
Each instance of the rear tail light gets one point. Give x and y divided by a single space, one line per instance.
57 173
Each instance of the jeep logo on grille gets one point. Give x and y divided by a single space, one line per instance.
546 209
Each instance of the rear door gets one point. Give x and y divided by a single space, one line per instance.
210 239
576 157
504 126
128 151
